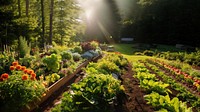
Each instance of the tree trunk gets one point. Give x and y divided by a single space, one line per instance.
43 24
27 7
19 8
51 22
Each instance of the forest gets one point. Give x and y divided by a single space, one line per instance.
42 22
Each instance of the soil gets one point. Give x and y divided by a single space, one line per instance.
135 95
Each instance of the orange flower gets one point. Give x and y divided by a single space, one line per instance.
18 67
15 63
30 71
33 75
33 78
26 71
12 67
23 68
24 77
4 76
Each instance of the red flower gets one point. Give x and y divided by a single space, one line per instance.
33 75
30 71
15 63
18 67
23 68
24 77
33 78
26 71
12 67
4 76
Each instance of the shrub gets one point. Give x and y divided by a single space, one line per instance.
78 49
24 49
52 62
76 56
66 55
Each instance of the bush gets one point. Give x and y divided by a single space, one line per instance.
24 49
66 55
78 49
52 62
76 56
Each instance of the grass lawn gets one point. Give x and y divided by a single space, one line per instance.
128 51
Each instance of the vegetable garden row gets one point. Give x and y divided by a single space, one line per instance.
169 88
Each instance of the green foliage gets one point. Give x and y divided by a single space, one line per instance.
52 62
66 55
93 94
164 102
27 60
151 85
16 93
77 49
24 49
148 53
6 60
52 78
76 56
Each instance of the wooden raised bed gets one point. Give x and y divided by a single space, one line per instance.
56 86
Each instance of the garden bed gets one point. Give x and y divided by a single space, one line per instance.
56 86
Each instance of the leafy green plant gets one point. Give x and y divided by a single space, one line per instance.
6 60
77 49
27 60
151 85
165 103
52 78
93 93
66 55
76 56
52 62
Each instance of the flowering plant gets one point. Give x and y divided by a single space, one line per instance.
19 88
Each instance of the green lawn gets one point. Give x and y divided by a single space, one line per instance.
128 51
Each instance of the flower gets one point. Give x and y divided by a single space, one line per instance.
4 76
24 77
33 75
15 63
18 67
30 71
23 68
26 71
33 78
12 67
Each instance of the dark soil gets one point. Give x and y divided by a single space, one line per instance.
135 95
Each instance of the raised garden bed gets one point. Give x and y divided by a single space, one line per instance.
56 86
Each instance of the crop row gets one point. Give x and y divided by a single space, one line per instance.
179 90
158 92
98 90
